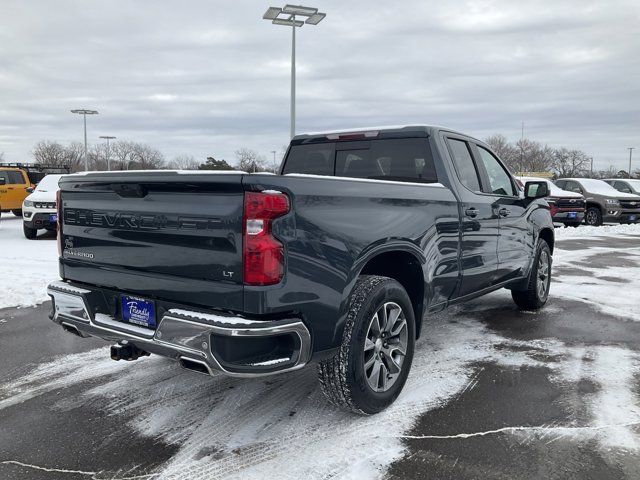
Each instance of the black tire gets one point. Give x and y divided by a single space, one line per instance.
572 224
343 378
593 216
17 212
532 298
30 233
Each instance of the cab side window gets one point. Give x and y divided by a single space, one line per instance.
15 178
465 166
499 179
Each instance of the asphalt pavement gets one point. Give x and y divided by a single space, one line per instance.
552 394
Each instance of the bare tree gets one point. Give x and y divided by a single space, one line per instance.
535 157
250 161
506 151
146 157
122 154
47 152
570 163
183 162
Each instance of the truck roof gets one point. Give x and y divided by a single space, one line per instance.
423 130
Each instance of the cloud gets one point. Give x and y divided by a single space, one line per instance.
205 78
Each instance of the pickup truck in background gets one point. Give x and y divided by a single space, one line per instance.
338 260
567 207
604 203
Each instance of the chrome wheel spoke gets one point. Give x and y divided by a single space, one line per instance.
368 344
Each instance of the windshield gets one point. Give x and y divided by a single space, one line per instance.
48 184
598 186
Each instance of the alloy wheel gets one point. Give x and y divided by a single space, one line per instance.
385 347
544 275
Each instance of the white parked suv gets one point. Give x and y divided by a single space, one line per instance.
39 208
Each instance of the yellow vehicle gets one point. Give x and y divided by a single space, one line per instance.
15 185
19 180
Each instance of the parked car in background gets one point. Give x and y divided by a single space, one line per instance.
39 209
604 203
627 185
566 207
18 180
14 188
335 260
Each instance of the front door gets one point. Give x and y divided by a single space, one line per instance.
515 242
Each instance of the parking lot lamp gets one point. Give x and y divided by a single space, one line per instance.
287 16
631 149
107 138
84 113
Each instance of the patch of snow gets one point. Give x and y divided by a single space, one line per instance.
28 266
584 231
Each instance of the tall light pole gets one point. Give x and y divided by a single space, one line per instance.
631 149
84 113
274 160
287 16
107 138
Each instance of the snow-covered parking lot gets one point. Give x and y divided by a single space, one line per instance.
493 392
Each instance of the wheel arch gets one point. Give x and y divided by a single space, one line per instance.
405 265
548 236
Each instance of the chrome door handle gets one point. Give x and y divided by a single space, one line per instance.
471 212
504 212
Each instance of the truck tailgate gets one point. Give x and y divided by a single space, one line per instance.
175 227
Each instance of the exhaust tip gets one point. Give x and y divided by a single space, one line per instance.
67 327
194 365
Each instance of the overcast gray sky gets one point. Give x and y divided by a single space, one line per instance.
205 77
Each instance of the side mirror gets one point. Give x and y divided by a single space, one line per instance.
30 189
536 190
3 181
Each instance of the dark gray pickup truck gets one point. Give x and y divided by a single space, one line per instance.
338 260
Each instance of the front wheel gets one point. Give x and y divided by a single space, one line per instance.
539 282
572 224
373 362
17 212
29 232
593 217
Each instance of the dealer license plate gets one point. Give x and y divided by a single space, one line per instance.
139 311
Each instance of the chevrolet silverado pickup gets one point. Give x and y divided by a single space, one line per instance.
336 261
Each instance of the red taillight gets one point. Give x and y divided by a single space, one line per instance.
59 222
263 253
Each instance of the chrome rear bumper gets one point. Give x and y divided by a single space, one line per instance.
187 336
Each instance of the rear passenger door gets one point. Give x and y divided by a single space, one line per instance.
479 228
515 242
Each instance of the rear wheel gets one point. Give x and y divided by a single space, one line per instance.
374 359
29 232
17 212
593 217
537 290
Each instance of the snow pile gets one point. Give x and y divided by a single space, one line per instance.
584 231
27 265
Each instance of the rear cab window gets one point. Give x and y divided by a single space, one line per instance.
403 160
